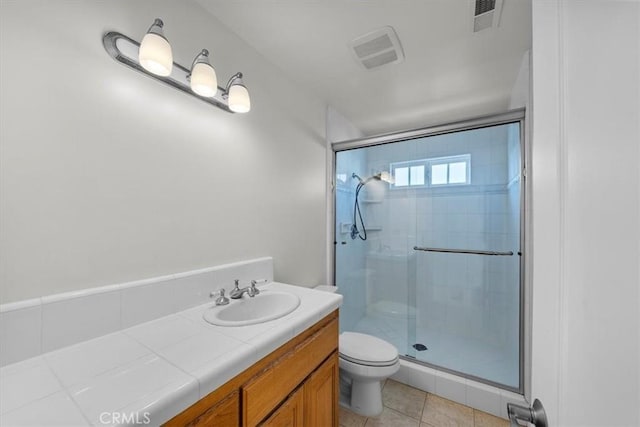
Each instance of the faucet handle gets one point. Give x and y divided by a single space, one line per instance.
254 290
259 282
222 299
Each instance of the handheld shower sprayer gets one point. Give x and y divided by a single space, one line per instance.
357 214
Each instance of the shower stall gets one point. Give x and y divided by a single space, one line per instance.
429 245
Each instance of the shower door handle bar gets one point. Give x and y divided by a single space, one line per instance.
463 251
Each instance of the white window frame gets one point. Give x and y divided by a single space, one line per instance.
428 164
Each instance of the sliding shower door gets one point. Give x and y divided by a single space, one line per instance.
428 247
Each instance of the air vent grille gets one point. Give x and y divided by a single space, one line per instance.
484 6
487 14
378 60
373 46
377 48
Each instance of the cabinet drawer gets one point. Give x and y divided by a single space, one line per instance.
265 392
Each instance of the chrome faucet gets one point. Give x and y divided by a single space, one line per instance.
250 290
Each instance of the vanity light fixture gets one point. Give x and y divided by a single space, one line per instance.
203 79
238 95
154 58
155 51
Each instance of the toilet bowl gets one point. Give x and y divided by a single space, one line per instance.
365 361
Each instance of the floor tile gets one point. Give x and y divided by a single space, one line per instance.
391 418
351 419
439 412
482 419
404 399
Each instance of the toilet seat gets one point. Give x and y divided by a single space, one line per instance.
367 350
368 362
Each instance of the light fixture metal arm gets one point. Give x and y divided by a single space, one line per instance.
236 76
111 40
203 53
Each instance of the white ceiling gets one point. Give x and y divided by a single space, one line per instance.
449 73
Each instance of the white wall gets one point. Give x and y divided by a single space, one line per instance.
339 128
586 213
108 176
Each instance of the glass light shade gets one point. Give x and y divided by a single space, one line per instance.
203 80
239 101
155 54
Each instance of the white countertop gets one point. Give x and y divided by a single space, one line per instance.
150 372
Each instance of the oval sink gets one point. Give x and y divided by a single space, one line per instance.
248 311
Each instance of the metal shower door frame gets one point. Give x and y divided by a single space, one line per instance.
512 116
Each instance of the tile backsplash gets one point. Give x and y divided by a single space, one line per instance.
40 325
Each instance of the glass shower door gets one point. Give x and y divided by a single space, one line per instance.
371 275
428 249
374 265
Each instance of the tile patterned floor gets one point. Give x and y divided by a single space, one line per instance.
406 406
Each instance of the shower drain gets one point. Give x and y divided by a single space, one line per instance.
420 347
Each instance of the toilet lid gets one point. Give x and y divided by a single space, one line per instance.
366 349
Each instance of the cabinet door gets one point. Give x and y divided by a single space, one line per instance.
263 394
321 394
290 413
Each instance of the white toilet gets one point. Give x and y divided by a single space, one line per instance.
365 361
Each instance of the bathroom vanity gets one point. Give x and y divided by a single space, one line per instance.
180 369
296 385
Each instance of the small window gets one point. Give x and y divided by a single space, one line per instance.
450 170
408 174
417 175
439 174
401 176
458 173
434 172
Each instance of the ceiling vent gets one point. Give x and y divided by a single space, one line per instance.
486 14
377 48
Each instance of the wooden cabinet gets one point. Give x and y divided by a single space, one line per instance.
321 393
226 412
314 403
295 385
289 413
